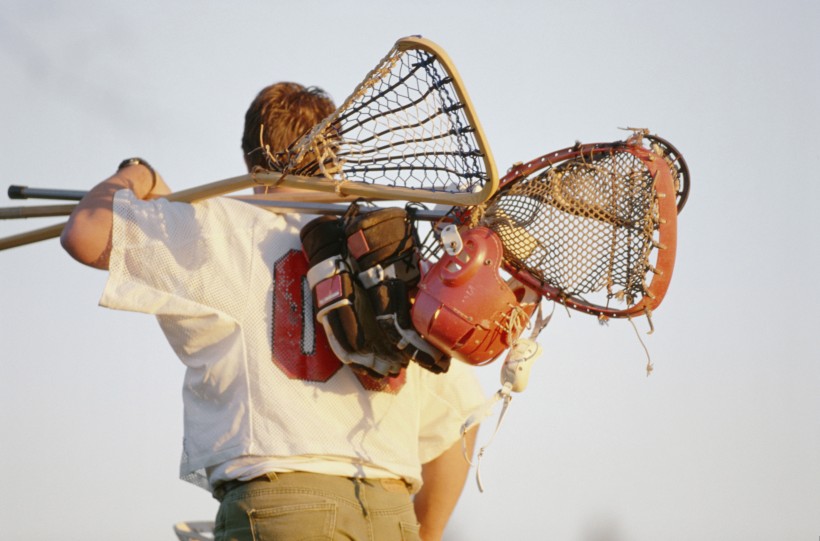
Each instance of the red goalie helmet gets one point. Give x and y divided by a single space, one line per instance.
466 308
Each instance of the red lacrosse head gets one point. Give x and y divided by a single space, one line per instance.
465 308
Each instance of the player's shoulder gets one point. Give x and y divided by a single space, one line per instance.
238 213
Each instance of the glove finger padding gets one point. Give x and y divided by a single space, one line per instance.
331 282
341 305
383 237
383 252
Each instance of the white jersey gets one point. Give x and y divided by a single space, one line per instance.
262 388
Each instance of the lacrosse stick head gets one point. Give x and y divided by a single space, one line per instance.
593 226
680 171
408 131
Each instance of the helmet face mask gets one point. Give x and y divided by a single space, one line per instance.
466 308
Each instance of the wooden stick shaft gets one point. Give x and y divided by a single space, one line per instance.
302 202
30 237
24 192
39 211
188 196
287 205
34 211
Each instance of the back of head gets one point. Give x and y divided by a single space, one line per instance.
282 112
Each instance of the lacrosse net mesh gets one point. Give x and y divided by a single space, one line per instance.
408 124
583 227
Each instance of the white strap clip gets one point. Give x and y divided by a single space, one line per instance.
451 240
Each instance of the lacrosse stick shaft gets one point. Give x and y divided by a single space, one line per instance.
187 196
40 211
287 203
31 211
272 205
328 190
30 237
24 192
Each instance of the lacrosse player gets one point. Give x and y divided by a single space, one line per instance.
291 441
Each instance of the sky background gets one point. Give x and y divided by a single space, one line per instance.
721 442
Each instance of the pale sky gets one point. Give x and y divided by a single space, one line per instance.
721 442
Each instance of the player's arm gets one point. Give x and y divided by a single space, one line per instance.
87 235
443 479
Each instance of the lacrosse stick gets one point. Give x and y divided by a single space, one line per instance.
408 131
593 226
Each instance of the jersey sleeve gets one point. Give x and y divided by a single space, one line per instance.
187 264
157 257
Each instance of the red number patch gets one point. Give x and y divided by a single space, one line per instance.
300 347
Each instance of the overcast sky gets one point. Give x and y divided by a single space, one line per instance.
721 442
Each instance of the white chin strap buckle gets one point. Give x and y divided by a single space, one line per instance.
516 369
451 240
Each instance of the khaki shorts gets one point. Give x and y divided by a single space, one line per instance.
300 505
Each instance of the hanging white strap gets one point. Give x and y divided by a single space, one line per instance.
507 400
514 378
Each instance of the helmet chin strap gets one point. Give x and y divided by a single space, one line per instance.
515 375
